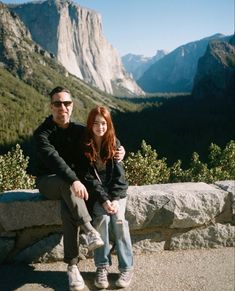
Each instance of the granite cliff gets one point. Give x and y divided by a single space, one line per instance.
27 73
74 35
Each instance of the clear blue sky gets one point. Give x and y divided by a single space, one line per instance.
144 26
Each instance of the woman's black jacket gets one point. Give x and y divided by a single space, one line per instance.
111 187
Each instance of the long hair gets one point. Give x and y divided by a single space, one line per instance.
108 145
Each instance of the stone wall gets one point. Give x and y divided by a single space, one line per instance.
161 217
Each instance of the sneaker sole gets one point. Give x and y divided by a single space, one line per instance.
76 288
101 286
122 286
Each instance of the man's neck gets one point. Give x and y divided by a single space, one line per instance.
61 124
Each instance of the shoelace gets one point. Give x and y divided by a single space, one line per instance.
102 274
125 276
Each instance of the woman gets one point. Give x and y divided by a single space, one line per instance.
107 186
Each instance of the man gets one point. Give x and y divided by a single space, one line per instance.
56 141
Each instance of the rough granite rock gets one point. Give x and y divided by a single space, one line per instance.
179 205
229 186
19 210
214 236
161 217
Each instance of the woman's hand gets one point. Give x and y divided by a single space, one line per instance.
111 207
115 205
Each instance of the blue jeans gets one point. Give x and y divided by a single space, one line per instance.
106 224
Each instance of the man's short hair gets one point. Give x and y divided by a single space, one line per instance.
58 89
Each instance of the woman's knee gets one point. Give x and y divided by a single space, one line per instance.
102 221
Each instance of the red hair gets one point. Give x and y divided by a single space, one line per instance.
108 145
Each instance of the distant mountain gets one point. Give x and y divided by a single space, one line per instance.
215 77
74 35
175 72
136 65
191 122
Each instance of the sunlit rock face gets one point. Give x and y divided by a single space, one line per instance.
74 35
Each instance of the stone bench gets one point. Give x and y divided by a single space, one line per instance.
161 217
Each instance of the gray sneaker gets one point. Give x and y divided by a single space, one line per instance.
101 278
94 240
124 279
76 282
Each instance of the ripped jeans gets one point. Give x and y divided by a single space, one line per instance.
107 225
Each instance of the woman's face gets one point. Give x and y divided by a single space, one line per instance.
99 127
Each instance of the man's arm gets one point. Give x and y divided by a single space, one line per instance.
50 157
120 151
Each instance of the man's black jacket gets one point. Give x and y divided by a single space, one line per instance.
57 148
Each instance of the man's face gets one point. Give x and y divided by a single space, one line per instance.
61 107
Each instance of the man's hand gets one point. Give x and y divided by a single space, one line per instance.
79 190
120 153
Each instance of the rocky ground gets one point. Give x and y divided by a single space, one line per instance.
191 270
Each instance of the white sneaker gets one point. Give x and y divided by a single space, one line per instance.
94 240
124 279
76 282
101 278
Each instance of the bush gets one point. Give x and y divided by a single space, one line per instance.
13 173
222 162
198 171
145 168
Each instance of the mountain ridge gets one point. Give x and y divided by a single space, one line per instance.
136 65
175 71
216 71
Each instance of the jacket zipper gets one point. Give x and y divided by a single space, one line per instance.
97 174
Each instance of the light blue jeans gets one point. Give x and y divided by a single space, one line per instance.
107 225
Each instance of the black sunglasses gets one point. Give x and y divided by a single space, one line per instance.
59 103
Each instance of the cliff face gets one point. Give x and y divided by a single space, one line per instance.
216 71
17 48
11 38
74 34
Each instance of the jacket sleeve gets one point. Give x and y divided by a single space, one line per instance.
119 185
49 156
95 187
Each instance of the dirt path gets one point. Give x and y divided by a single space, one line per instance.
191 270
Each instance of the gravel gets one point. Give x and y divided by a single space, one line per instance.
204 269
